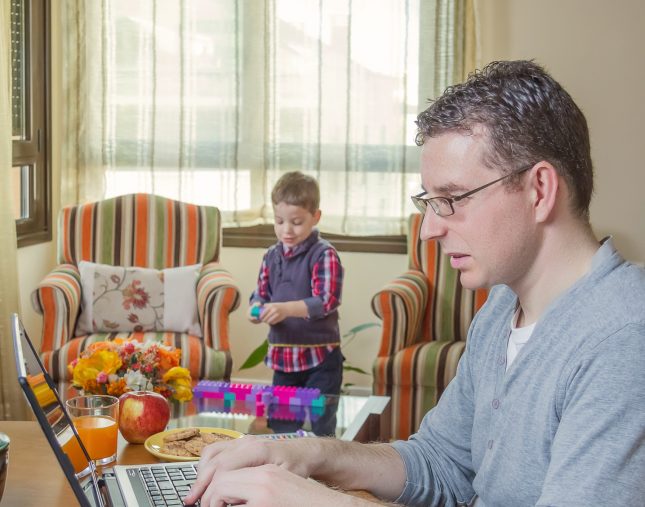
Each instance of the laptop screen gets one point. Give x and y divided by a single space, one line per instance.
49 410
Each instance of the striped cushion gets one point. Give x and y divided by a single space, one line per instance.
426 314
145 231
201 361
139 230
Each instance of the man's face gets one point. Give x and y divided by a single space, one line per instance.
293 224
491 236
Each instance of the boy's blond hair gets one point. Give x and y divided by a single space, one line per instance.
297 189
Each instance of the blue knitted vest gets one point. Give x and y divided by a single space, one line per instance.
290 280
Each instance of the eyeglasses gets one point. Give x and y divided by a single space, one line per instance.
443 207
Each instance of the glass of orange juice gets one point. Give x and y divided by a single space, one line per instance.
95 418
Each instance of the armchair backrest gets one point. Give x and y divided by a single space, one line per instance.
141 230
451 307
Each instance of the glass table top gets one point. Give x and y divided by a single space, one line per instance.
334 419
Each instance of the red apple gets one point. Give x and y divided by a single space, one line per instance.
141 414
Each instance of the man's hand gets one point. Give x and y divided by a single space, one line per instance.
352 466
268 486
273 313
223 457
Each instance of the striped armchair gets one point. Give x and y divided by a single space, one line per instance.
145 231
426 314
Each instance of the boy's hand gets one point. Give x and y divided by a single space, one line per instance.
253 318
273 313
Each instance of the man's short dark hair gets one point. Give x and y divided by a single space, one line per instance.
527 116
297 189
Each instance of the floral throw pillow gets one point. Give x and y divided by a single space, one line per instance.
129 299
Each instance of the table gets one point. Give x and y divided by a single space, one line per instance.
35 478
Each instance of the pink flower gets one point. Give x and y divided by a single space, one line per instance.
135 296
102 377
128 347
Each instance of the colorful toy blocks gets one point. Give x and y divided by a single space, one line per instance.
260 394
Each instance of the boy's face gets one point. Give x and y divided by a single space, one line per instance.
293 224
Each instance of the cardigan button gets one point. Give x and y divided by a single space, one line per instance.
501 360
495 403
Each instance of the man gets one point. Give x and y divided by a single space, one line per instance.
548 405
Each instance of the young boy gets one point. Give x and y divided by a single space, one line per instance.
298 294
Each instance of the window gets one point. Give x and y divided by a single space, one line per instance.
29 101
211 102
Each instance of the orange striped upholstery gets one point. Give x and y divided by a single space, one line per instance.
146 231
425 314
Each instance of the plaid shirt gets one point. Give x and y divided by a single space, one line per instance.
326 283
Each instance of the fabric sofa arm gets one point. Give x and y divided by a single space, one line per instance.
217 296
58 299
401 304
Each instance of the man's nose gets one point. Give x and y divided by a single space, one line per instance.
433 226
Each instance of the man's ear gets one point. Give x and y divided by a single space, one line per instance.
317 216
545 184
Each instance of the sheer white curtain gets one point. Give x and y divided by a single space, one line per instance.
211 101
12 404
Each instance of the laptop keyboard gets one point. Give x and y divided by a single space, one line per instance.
166 486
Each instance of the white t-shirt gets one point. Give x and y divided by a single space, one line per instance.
518 338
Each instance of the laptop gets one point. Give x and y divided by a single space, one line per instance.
157 484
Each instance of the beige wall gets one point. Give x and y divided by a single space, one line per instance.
595 48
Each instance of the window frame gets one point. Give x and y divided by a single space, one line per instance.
263 236
35 149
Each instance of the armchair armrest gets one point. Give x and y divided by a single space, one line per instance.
58 299
217 296
400 304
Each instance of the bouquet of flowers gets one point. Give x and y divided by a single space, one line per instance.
114 367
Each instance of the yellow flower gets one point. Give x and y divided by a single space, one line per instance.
109 361
179 380
85 369
88 368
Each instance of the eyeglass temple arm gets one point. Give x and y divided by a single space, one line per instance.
471 192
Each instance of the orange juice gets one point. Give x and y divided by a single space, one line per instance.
99 435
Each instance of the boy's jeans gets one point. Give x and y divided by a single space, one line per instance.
327 377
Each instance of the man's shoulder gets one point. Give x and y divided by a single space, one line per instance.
617 295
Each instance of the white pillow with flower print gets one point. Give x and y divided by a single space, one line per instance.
130 299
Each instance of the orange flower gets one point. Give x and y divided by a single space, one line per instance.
91 386
98 346
117 388
168 358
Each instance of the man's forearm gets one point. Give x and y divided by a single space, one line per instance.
377 468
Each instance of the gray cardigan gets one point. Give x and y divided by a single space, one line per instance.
565 425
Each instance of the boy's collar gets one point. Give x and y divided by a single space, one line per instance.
301 247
